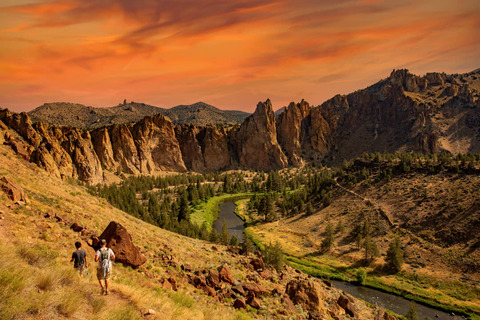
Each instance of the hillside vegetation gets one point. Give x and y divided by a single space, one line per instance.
80 116
38 282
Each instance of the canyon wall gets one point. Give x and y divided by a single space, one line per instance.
402 113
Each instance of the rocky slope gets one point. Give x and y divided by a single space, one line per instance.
177 277
80 116
401 113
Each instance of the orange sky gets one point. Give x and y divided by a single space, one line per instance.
230 54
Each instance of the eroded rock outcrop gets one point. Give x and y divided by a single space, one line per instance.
120 241
402 113
289 128
12 189
157 147
256 141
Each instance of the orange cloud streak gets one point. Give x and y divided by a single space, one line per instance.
230 54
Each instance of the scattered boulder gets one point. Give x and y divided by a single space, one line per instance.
347 304
209 291
239 304
253 302
12 189
288 304
225 274
304 293
166 284
257 264
76 227
61 218
239 289
150 312
120 241
266 274
199 281
213 277
382 315
186 267
255 288
173 282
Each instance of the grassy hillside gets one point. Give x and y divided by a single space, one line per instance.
434 212
37 280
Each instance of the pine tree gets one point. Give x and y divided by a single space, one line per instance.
248 246
273 255
371 249
328 238
234 241
224 236
395 256
309 208
204 234
213 235
358 240
184 208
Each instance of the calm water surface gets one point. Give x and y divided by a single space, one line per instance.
234 223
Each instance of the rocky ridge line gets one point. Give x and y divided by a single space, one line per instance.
402 113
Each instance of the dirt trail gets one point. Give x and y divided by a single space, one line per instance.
380 208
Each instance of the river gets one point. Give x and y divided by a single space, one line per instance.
384 300
391 302
234 223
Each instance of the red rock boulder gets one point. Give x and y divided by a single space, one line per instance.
305 293
225 274
12 189
120 241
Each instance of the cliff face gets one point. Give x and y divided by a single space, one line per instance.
256 142
401 113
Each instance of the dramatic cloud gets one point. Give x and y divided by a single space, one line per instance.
231 54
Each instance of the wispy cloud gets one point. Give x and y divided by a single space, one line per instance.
232 52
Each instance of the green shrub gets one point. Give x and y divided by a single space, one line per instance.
361 276
273 255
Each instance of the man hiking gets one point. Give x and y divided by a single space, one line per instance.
79 259
104 256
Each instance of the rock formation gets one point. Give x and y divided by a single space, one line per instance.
120 241
11 188
402 113
256 141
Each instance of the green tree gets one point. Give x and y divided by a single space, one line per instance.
358 240
412 312
184 208
248 246
371 249
395 256
328 238
234 241
361 276
213 235
224 236
273 255
309 208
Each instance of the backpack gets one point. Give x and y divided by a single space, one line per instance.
105 260
104 254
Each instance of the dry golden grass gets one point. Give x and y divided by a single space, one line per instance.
38 282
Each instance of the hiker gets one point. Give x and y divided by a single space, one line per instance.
79 259
104 256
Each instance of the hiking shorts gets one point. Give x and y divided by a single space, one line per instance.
100 274
80 270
